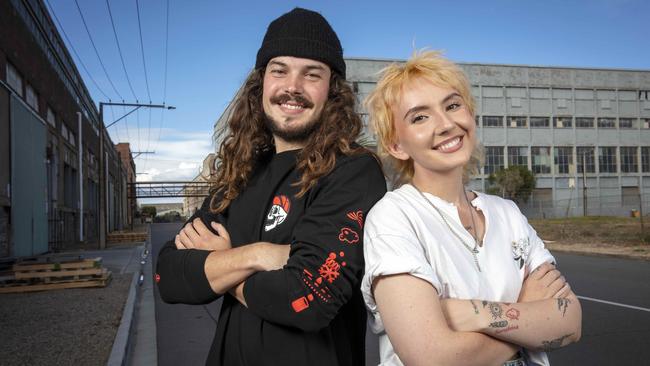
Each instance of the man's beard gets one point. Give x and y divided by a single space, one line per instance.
292 135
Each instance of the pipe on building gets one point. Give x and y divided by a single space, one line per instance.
81 178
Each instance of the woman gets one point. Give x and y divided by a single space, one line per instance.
452 276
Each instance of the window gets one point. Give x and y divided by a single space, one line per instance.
519 121
493 159
476 119
607 159
626 122
72 139
518 155
541 159
629 160
51 119
14 79
492 121
585 155
563 160
539 121
645 123
645 159
585 122
31 97
562 122
606 122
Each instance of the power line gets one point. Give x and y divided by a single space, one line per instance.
166 53
119 49
115 129
146 79
74 50
162 112
96 52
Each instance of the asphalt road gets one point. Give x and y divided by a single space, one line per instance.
612 334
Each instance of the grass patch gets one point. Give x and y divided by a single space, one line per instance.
594 229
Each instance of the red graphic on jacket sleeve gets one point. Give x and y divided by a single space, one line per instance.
302 303
330 269
278 212
356 216
157 278
314 286
348 235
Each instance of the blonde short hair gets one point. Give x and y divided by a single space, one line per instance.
430 66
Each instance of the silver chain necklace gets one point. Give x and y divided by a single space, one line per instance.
473 251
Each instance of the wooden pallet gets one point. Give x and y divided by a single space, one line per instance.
57 285
36 275
126 237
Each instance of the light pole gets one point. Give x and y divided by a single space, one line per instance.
103 167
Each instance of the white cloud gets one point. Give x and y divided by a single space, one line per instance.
178 154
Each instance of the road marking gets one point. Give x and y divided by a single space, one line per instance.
614 303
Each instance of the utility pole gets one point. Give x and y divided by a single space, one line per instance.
103 166
584 184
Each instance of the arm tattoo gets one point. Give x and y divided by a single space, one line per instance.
562 304
474 305
495 309
499 324
548 346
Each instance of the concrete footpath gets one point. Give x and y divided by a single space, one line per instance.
135 341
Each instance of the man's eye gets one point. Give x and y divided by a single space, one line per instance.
277 72
313 76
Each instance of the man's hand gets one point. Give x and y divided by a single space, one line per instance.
544 282
195 235
272 256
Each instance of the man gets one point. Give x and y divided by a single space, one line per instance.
288 205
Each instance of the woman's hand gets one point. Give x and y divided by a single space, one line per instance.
543 283
195 235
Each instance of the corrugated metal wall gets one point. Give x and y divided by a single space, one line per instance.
28 181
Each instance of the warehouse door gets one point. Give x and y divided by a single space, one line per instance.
28 181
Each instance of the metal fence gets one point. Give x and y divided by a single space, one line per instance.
62 228
605 205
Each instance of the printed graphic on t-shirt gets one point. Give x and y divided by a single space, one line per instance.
520 251
278 212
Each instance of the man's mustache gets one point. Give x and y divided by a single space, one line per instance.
284 98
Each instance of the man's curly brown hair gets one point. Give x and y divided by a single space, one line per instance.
248 137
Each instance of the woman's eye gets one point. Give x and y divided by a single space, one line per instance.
453 106
418 118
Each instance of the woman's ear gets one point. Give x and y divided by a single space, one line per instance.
395 150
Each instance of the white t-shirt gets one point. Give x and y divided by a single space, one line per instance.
404 234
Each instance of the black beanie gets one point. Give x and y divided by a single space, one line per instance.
302 33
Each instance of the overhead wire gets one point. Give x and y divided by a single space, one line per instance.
146 78
75 51
162 112
119 49
97 52
117 134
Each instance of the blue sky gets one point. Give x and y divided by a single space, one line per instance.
212 46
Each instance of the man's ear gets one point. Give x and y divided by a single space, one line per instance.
395 149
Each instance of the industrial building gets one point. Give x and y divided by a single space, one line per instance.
55 193
584 132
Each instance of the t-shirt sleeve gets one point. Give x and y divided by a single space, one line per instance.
180 274
326 263
392 247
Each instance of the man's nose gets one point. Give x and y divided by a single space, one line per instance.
294 84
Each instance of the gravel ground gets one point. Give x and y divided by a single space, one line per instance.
62 327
